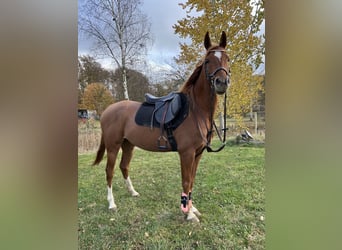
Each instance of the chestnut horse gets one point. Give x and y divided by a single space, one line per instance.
119 129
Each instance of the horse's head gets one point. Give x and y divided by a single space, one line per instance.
216 64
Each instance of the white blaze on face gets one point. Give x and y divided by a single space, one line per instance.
218 54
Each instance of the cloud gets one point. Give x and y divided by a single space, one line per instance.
163 15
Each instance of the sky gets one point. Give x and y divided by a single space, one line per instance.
165 42
162 15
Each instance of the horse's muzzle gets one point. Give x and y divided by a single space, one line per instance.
221 85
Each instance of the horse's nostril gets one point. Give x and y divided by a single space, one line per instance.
219 81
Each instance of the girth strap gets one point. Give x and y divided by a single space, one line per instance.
171 139
166 113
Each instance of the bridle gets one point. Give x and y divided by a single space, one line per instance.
211 78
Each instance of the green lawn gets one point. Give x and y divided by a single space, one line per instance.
229 192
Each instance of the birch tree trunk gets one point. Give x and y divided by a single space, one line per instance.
118 31
124 83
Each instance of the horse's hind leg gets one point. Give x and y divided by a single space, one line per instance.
127 153
111 158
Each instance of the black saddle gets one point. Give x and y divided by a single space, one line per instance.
166 107
166 112
154 99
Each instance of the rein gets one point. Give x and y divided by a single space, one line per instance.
213 125
209 149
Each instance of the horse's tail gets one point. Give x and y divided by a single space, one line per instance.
100 152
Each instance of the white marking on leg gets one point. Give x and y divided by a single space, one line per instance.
130 187
110 199
195 211
192 217
218 54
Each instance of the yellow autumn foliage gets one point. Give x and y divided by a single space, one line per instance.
241 21
97 97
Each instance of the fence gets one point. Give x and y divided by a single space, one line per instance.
89 135
89 131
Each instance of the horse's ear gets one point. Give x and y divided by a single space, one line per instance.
207 42
223 40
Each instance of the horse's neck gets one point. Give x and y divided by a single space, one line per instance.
203 98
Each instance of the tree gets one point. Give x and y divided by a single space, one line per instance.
97 97
90 71
118 30
137 83
177 75
241 20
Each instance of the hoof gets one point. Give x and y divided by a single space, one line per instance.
195 211
135 193
191 217
113 208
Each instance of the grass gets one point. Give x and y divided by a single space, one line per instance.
229 191
89 135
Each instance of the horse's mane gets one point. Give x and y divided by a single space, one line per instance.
192 79
195 75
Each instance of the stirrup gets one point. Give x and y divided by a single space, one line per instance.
162 145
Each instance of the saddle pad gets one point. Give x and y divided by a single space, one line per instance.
145 112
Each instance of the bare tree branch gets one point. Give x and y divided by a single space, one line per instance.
118 31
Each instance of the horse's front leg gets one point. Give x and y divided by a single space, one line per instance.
192 207
187 164
191 212
194 170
